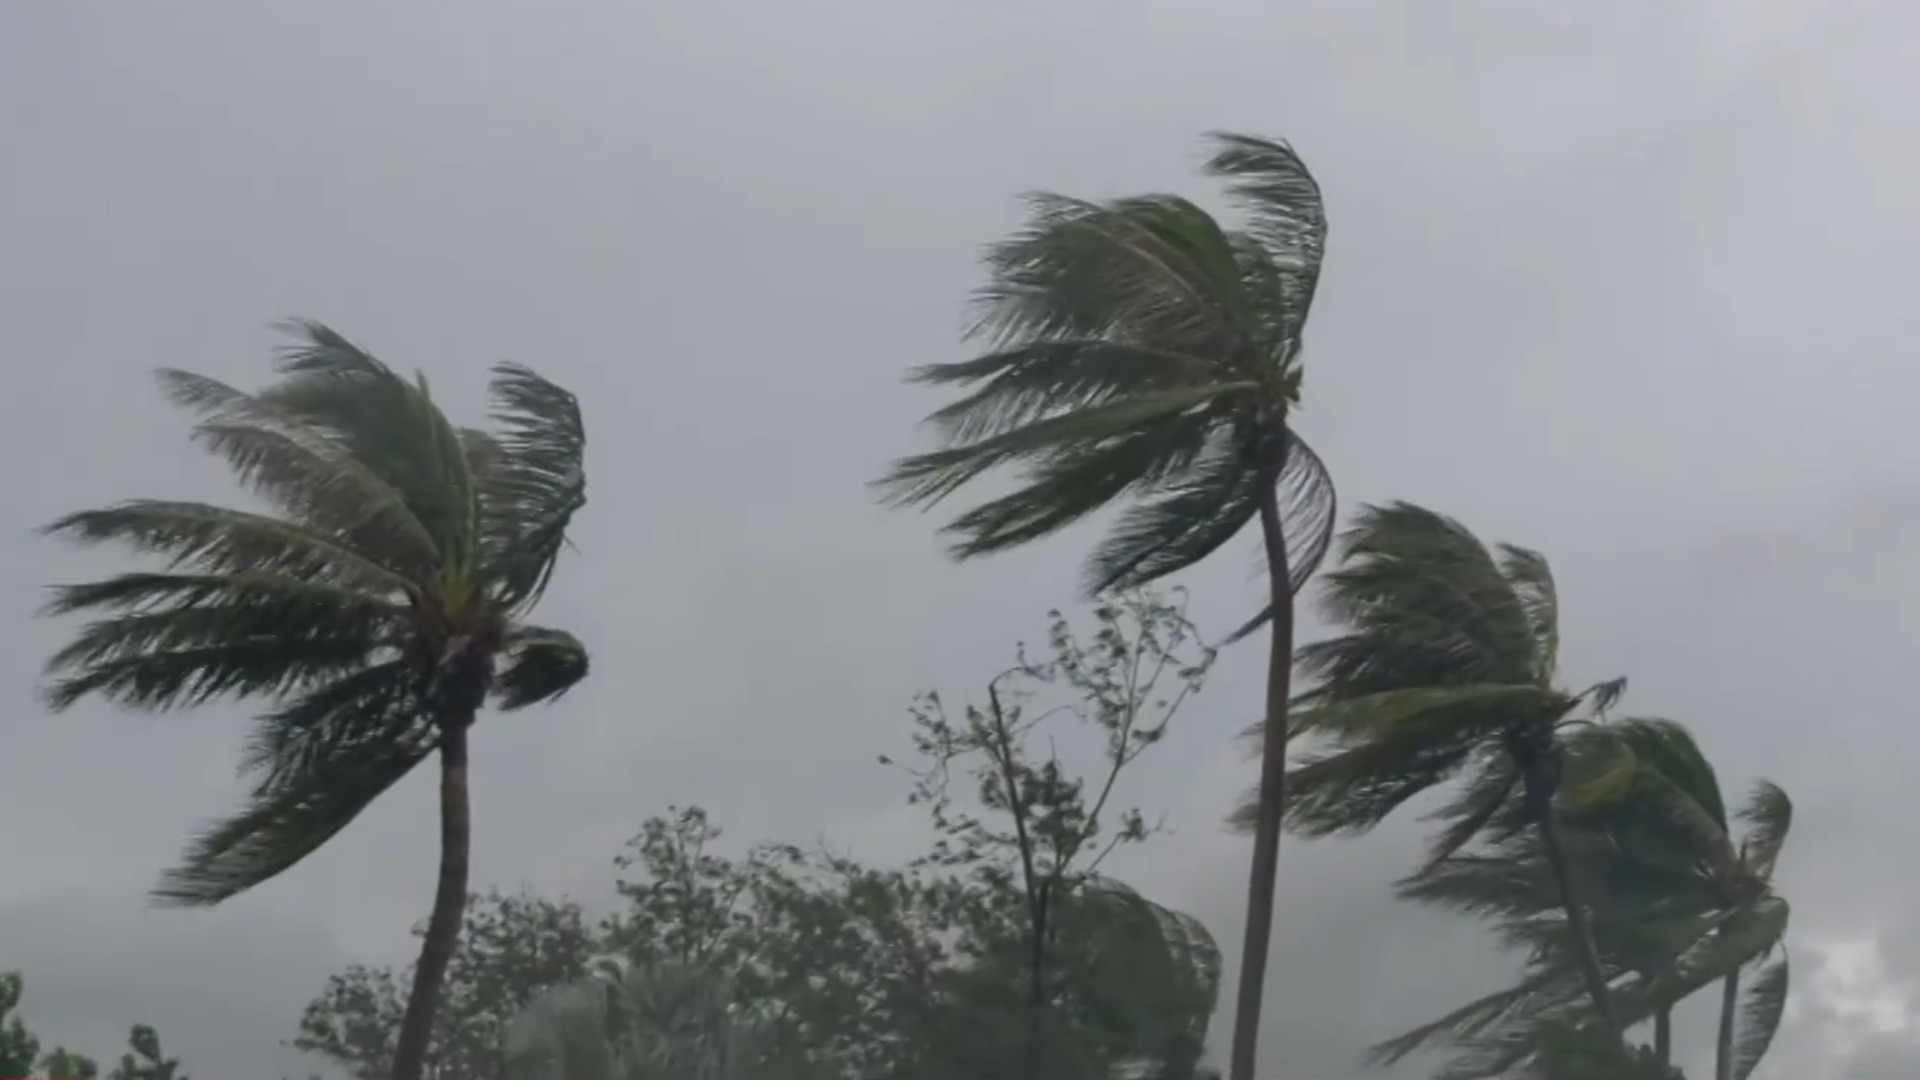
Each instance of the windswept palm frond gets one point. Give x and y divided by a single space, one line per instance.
288 819
1760 1015
534 484
1767 816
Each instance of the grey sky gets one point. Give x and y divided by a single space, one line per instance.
1625 281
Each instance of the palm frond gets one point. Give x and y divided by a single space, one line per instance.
1285 212
1531 579
216 540
540 665
366 707
1740 936
533 484
1768 815
389 425
1352 789
285 823
1760 1015
924 479
1424 603
1149 271
187 639
1309 510
1030 381
1190 519
1066 486
308 471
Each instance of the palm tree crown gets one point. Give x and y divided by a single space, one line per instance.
1679 903
1140 353
380 599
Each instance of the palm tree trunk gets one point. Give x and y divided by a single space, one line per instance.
1729 1008
449 905
1539 796
1273 775
1663 1036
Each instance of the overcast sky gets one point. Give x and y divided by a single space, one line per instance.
1625 280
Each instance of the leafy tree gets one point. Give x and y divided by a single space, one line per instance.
376 609
1446 663
19 1050
1036 833
511 947
1678 904
1140 353
63 1064
147 1061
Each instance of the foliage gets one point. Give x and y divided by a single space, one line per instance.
1680 904
147 1061
20 1051
400 548
512 946
672 1022
1035 834
378 606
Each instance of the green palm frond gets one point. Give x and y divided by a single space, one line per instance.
188 639
1151 270
287 821
539 665
1285 213
1423 603
1739 937
366 707
1760 1016
1350 791
1768 815
216 540
1058 439
387 424
309 473
1531 579
534 484
1309 511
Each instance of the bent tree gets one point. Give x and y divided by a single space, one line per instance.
1139 353
374 609
1445 665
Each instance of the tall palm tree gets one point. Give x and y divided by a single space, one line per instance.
1447 663
375 607
1139 353
1679 904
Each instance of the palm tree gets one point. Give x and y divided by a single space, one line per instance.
1138 353
1678 905
1448 664
374 609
